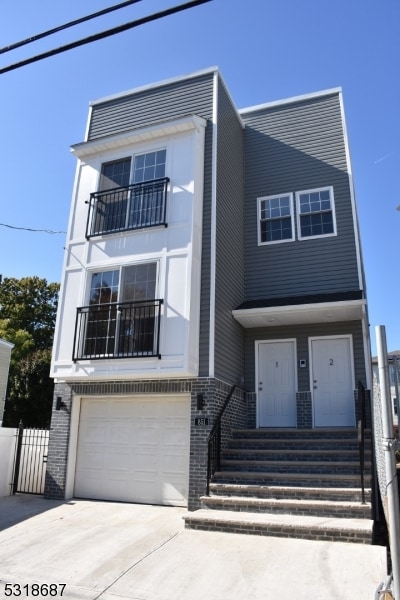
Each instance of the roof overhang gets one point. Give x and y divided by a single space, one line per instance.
135 136
301 314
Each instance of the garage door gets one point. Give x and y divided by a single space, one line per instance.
134 449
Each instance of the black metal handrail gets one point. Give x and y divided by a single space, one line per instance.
214 442
126 208
117 330
361 434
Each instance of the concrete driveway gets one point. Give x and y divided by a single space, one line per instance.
113 551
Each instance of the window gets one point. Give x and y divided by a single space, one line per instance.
315 213
275 219
129 198
123 314
147 199
149 166
111 210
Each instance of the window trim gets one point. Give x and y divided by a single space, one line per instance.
259 220
332 210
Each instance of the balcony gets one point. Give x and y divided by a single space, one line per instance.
117 330
136 206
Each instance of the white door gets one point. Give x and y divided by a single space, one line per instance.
276 384
332 382
134 449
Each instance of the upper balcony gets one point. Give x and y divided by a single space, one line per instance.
127 208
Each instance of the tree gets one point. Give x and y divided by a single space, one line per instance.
30 304
28 308
30 394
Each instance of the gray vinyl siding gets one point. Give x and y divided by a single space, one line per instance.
174 100
229 280
289 148
204 337
301 333
192 96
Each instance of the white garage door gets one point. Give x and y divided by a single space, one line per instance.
134 449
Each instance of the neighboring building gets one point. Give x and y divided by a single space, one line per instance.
207 247
5 356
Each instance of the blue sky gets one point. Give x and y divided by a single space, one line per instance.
266 50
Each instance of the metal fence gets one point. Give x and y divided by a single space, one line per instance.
30 460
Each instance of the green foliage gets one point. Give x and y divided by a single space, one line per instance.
28 308
30 392
30 304
22 340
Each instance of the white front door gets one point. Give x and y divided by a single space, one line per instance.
276 384
332 382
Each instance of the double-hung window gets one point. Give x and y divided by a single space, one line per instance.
131 194
122 318
275 218
315 213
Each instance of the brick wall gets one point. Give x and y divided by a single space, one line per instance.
58 443
213 394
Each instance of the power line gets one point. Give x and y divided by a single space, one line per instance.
103 34
44 34
51 231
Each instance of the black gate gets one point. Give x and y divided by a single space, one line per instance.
30 460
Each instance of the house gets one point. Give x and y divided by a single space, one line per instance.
5 357
212 253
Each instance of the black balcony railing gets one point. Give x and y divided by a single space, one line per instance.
118 330
125 208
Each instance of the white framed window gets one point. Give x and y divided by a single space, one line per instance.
315 213
132 194
275 219
123 313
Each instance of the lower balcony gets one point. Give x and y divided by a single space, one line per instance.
117 330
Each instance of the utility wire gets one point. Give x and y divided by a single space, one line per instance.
104 34
29 229
44 34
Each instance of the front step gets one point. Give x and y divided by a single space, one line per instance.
290 483
339 494
291 479
289 526
327 508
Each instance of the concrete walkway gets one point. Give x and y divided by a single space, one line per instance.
112 551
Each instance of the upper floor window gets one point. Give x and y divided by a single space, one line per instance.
149 166
275 219
315 213
129 198
122 318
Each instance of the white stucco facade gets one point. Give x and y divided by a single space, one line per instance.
176 249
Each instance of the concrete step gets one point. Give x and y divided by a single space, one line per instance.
293 454
326 433
296 443
292 479
332 494
295 526
293 466
316 508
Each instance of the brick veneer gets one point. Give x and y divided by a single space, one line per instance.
213 391
240 414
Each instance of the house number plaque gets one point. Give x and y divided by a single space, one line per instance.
201 421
